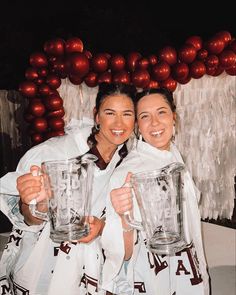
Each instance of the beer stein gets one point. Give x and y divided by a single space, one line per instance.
160 200
68 188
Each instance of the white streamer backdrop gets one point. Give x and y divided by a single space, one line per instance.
205 135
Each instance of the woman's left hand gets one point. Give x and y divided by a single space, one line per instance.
96 227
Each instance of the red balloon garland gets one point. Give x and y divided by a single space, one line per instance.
62 59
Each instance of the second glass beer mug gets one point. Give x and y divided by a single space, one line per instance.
68 186
160 201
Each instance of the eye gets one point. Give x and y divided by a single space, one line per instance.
129 114
109 113
144 116
161 112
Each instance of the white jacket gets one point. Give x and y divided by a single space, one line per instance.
33 263
148 273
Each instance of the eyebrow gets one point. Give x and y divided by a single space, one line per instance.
111 110
148 112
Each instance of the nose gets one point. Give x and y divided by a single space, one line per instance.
119 120
155 121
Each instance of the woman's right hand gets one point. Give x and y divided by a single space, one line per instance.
30 186
121 198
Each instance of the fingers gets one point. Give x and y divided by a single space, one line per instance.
121 200
128 177
28 185
35 170
95 227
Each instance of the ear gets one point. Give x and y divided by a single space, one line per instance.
174 117
95 115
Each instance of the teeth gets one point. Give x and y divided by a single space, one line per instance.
157 133
117 132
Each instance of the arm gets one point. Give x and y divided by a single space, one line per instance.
121 199
96 227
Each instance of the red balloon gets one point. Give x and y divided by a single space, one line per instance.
143 63
117 63
56 114
74 45
187 53
197 69
55 47
215 45
153 84
53 81
227 59
36 138
121 77
53 102
44 90
105 77
152 59
180 71
56 124
184 81
210 70
59 67
161 71
76 80
140 78
88 54
168 54
31 74
91 80
36 108
28 88
225 36
54 92
40 125
38 60
196 41
218 71
231 71
78 64
99 63
39 81
202 54
43 72
169 84
212 60
132 59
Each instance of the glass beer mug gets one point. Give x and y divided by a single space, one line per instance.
68 187
160 201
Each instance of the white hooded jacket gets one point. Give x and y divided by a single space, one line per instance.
31 262
149 273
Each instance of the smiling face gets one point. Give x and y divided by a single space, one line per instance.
116 117
155 120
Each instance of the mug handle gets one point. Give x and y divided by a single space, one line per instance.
36 213
33 203
127 215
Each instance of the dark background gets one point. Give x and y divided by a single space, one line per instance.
113 27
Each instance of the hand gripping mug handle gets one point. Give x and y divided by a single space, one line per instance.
33 203
127 215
